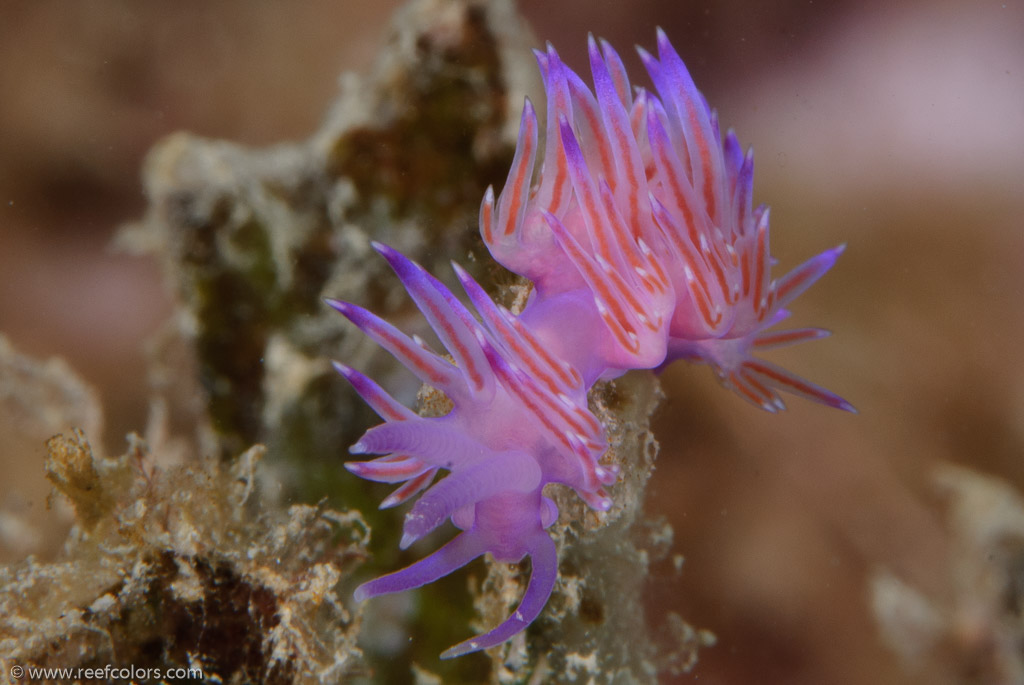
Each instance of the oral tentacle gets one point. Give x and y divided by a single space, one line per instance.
544 559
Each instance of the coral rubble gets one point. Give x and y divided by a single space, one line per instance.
184 568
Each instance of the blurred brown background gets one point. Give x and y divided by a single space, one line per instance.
897 128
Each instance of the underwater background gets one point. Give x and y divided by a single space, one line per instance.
819 547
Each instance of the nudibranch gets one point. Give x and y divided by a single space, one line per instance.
639 237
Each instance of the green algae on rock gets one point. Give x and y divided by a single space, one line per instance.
252 238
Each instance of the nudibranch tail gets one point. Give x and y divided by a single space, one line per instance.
641 240
720 262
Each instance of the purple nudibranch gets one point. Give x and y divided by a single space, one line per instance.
643 247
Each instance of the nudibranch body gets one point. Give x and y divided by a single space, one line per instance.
519 421
642 245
